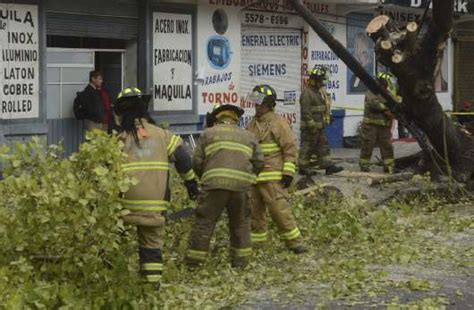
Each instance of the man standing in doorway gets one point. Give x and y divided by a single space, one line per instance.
96 103
315 117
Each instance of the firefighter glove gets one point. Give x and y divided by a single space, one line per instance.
193 189
286 180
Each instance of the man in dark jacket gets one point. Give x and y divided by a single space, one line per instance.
98 105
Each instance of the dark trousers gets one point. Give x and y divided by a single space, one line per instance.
211 205
314 144
372 136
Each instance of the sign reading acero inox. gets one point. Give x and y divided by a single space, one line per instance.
460 6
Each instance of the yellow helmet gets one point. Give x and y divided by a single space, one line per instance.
318 72
130 98
269 93
387 76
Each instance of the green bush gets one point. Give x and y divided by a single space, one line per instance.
62 240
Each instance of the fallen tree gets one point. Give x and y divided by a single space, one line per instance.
413 61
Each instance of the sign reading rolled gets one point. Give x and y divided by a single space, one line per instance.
172 62
19 65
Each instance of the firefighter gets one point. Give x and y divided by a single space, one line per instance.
315 117
150 150
375 129
271 191
226 159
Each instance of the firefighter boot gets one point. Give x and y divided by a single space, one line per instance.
239 262
299 250
333 169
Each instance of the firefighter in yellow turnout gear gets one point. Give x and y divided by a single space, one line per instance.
271 191
150 151
315 117
375 129
227 160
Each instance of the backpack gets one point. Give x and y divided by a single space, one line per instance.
80 102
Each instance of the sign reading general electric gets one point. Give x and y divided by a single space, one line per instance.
19 63
460 6
172 62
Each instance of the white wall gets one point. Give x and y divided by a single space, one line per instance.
227 80
218 82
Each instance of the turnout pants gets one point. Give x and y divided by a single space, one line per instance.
314 144
211 205
150 231
272 196
372 136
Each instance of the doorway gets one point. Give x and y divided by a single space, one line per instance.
67 74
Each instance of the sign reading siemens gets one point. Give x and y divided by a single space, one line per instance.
460 6
172 62
19 63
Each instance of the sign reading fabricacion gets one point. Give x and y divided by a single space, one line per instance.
172 62
19 63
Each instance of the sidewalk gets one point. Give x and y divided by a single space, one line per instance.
401 149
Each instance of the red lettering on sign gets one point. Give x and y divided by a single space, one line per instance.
220 98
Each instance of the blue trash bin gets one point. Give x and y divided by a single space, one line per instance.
335 131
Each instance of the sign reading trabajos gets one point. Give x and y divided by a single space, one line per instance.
172 62
19 76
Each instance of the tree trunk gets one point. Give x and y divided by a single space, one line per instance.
413 62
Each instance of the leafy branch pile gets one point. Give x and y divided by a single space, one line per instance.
64 244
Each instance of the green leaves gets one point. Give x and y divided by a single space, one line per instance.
65 246
65 208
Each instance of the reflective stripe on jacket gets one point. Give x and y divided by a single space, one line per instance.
374 110
315 108
149 163
278 143
227 157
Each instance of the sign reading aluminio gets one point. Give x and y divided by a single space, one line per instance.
19 65
172 62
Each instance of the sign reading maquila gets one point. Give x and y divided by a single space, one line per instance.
19 63
172 62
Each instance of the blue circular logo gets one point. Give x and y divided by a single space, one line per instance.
219 53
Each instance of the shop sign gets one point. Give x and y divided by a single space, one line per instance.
19 65
460 6
172 62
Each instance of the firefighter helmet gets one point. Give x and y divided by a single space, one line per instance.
131 98
218 109
269 93
387 76
318 72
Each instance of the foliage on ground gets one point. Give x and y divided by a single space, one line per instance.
64 245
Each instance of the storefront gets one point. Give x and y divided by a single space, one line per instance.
464 64
189 55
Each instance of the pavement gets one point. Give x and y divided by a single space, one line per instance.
349 160
457 286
